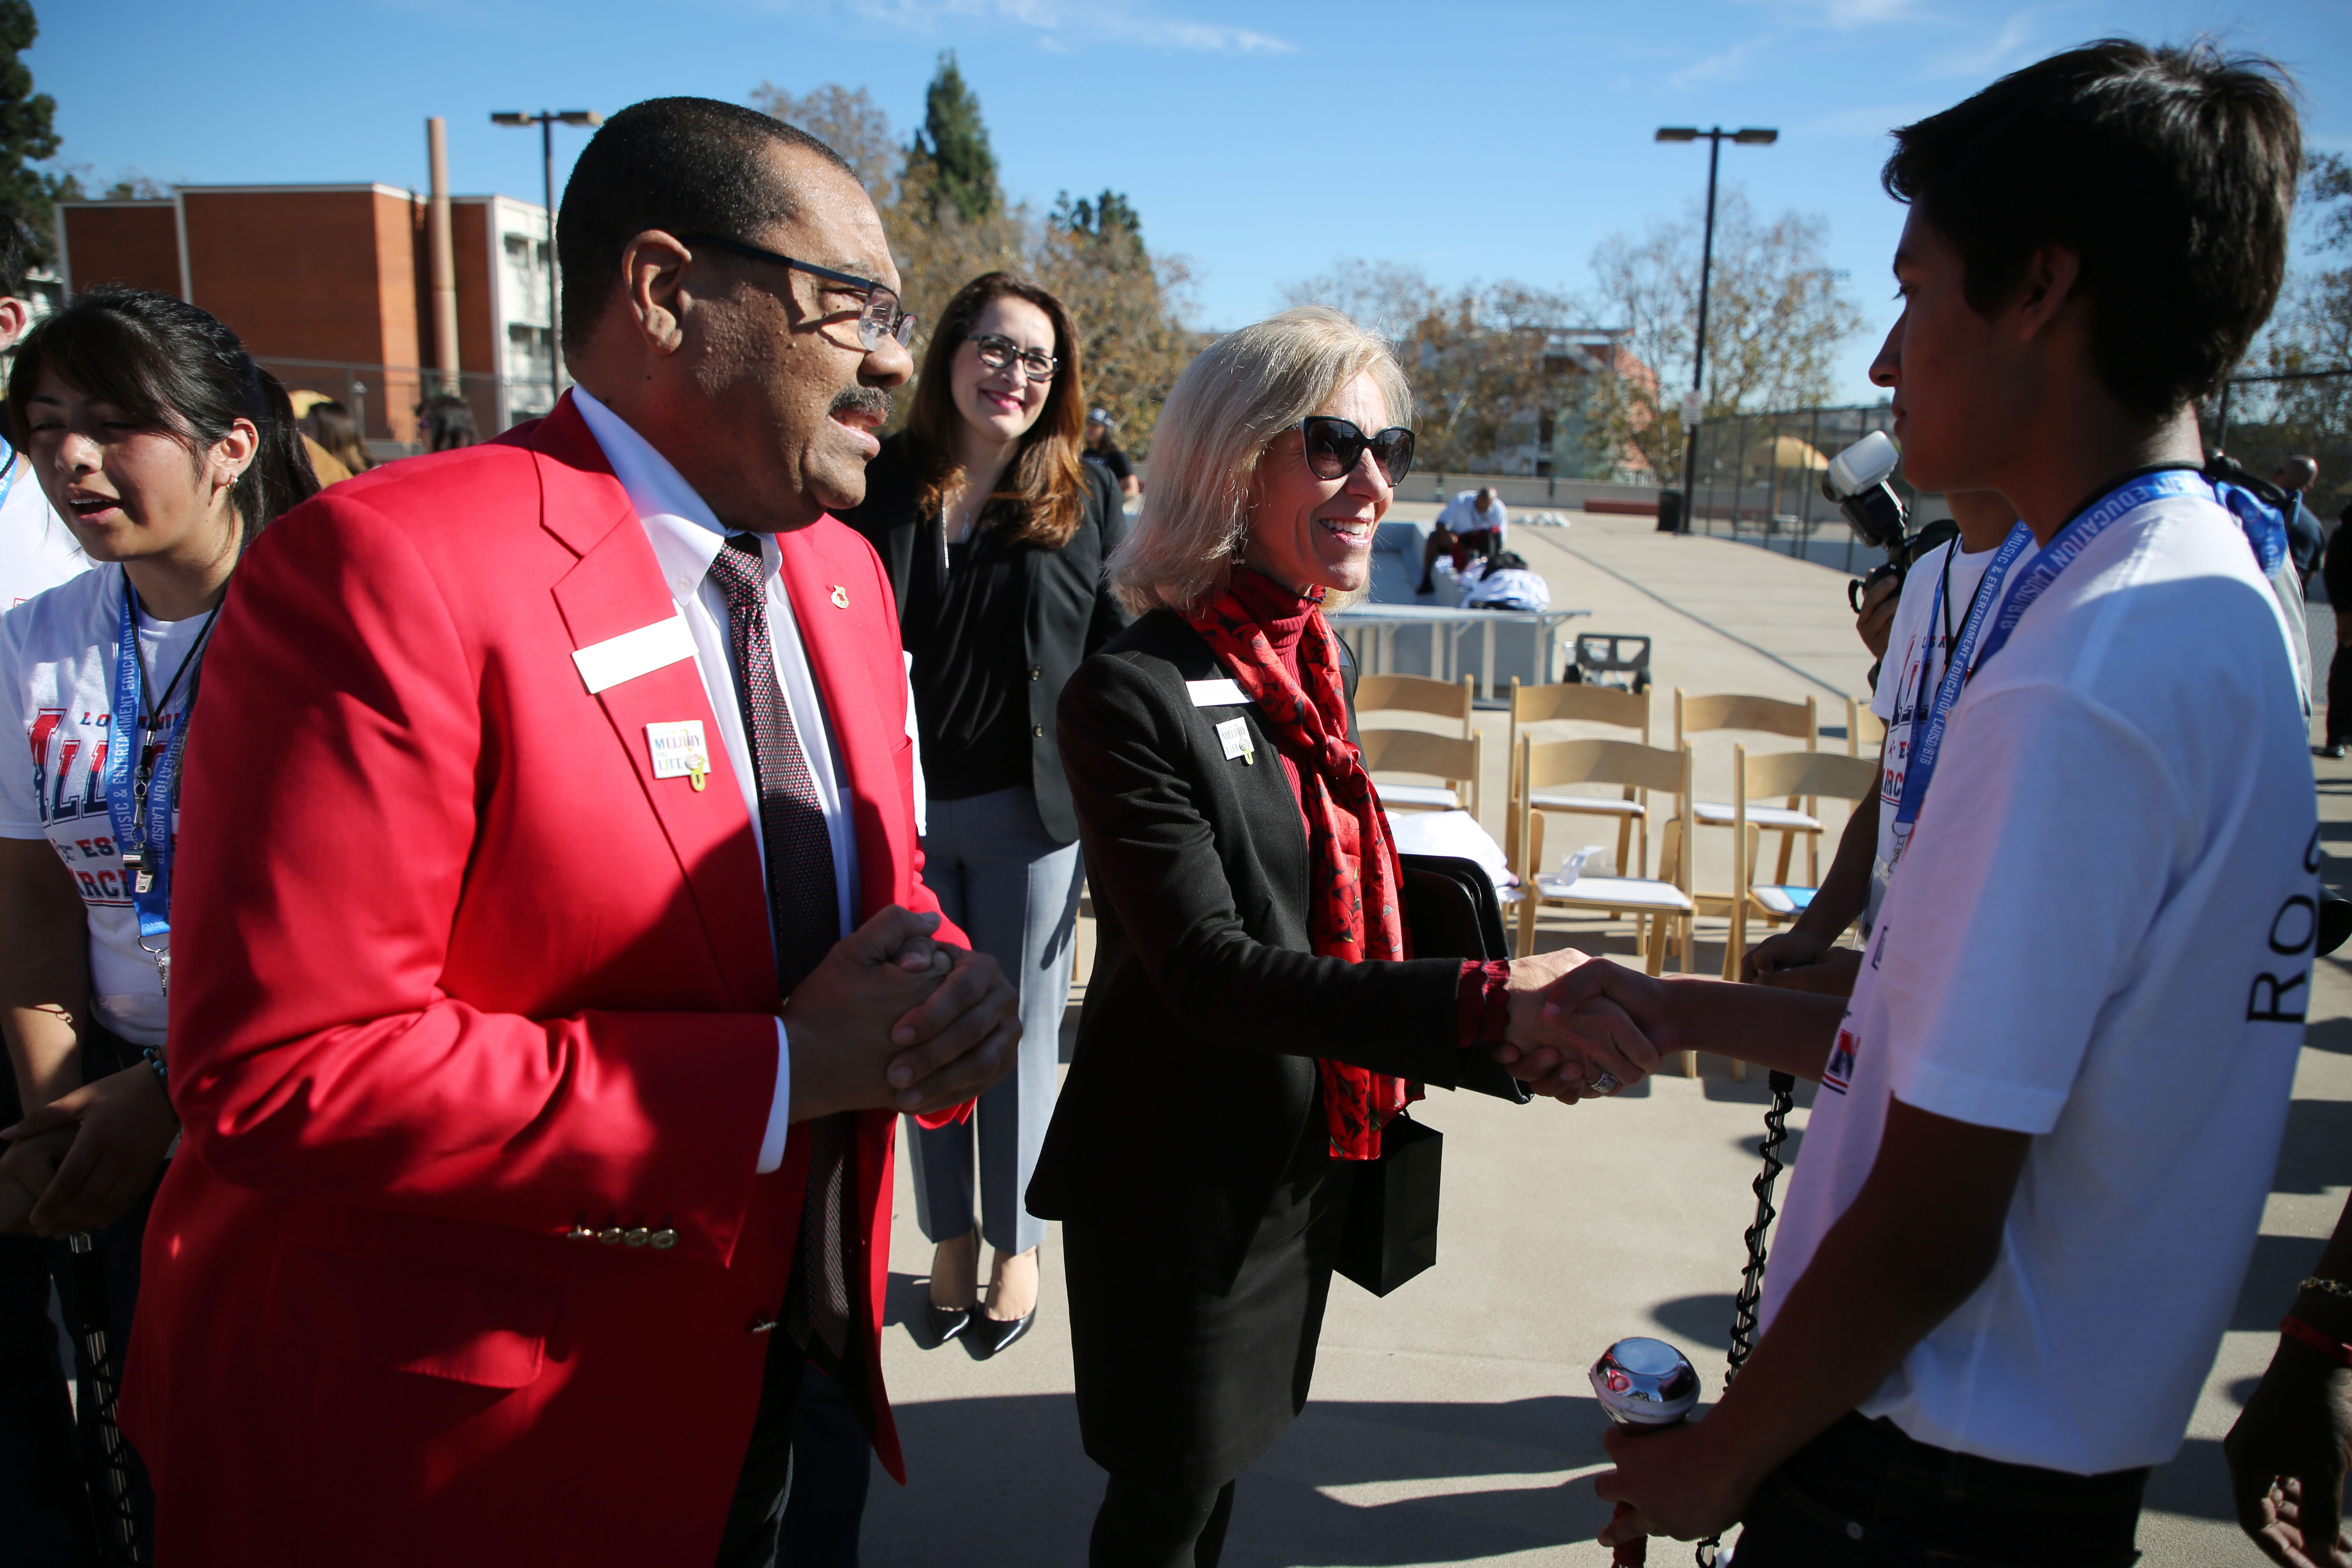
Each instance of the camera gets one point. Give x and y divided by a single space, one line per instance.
1856 480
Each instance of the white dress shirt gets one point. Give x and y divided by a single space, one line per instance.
687 538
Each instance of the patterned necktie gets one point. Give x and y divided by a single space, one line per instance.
803 910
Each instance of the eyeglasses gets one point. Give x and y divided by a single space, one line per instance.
996 353
879 320
1333 445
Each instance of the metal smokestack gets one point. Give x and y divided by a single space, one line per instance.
443 253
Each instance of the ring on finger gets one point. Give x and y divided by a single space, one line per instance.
1605 1082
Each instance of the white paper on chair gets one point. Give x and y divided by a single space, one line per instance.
1455 833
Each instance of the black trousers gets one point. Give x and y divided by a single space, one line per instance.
2339 691
754 1519
1864 1495
44 1505
1142 1526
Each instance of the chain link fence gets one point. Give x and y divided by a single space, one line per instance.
1757 478
384 399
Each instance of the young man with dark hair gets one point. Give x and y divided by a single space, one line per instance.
2050 1111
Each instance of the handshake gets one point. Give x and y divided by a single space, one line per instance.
893 1020
1572 1032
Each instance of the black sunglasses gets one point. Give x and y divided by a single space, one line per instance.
1333 445
881 317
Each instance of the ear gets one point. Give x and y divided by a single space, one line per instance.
653 268
233 453
2049 286
15 319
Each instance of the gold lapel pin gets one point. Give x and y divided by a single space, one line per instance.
840 597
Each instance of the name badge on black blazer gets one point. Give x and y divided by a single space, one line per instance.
1215 693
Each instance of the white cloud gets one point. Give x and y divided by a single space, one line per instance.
1843 16
2013 40
1063 25
1725 64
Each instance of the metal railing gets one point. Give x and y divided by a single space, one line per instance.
384 399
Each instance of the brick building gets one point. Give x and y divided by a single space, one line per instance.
331 286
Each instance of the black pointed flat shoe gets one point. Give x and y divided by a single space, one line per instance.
947 1322
992 1335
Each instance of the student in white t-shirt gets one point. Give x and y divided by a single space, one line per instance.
2050 1113
37 549
1937 597
166 448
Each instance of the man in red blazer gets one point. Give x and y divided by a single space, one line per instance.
503 833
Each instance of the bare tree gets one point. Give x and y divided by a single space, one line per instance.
1777 316
1491 365
847 120
1125 302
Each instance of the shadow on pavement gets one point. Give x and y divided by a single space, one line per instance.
1382 1484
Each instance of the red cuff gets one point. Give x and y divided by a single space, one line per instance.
1482 1003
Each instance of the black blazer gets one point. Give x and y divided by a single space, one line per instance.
1070 612
1194 1074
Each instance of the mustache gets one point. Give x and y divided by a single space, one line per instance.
862 400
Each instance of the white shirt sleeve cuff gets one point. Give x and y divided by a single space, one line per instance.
779 1109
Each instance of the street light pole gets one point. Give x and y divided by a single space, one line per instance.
547 120
1752 136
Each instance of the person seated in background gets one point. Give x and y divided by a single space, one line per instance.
1937 595
1474 519
2051 1112
1103 452
1254 1023
1507 584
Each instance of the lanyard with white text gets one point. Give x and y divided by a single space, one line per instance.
1929 716
139 788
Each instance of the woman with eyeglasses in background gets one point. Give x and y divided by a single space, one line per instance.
1255 1021
995 533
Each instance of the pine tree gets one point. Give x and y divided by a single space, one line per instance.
950 158
26 124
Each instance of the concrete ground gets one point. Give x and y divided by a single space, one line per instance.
1451 1422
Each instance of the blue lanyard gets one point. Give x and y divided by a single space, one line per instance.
8 467
1993 628
138 796
1929 718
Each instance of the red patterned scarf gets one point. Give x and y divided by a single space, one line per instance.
1356 909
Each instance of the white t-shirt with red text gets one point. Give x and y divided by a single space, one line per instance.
57 683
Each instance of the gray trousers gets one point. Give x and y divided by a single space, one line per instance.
1015 893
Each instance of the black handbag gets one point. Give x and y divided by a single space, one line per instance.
1391 1233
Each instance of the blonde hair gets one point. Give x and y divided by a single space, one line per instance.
1244 390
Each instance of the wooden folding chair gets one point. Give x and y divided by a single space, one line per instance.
1454 762
1812 775
1572 701
1660 907
1417 694
1764 715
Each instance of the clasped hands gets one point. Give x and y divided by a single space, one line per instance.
81 1161
1571 1036
893 1019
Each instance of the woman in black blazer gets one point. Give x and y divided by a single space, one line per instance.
1252 1020
995 533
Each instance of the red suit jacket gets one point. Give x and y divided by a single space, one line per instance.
456 977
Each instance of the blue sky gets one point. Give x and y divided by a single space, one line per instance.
1477 140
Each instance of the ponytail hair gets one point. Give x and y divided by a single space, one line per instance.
167 365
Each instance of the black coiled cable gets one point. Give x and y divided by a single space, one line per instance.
1751 1277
